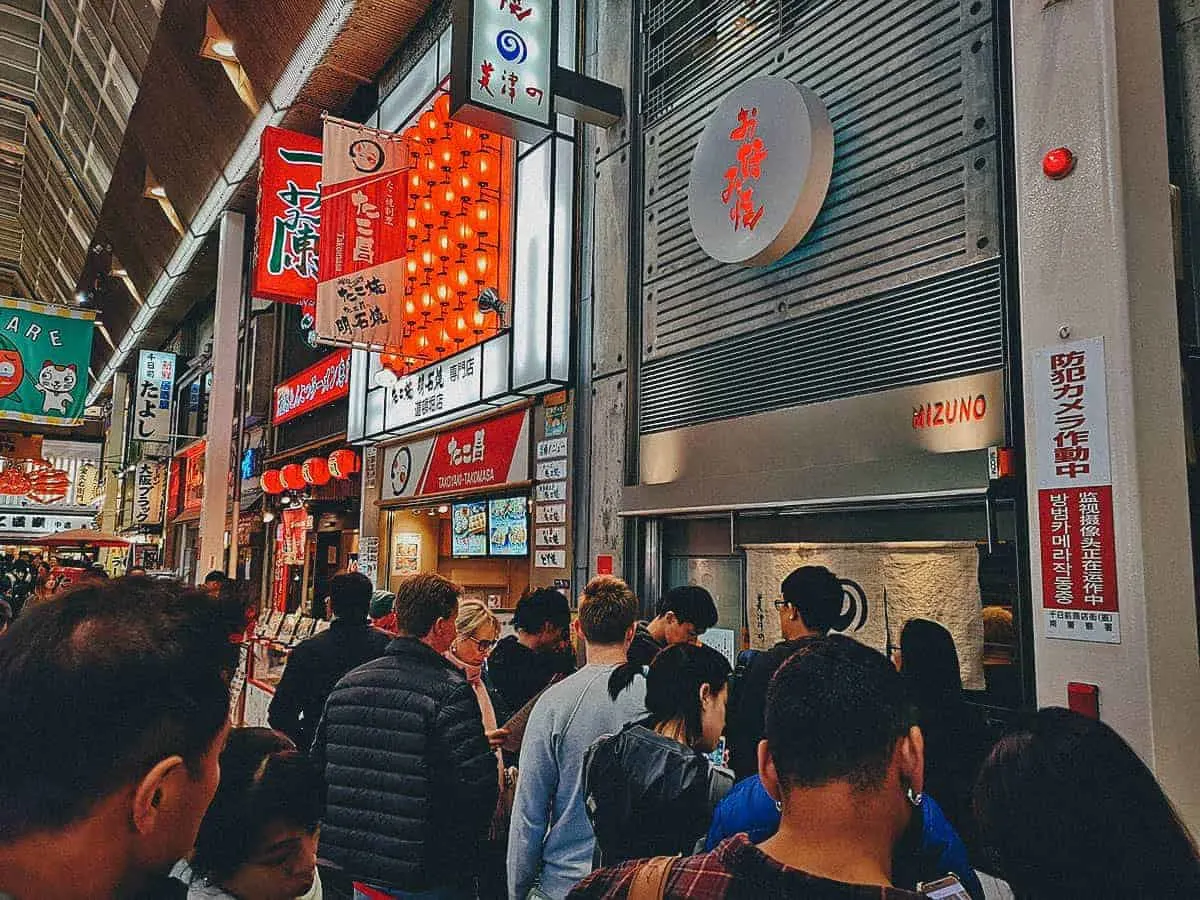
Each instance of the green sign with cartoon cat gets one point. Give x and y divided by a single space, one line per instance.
44 356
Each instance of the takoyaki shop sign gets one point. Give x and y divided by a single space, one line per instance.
482 456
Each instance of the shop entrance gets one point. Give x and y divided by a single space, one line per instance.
956 563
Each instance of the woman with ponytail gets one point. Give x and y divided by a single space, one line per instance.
651 788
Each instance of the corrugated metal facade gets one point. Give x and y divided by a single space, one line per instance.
899 282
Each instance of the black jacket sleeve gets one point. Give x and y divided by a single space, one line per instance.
459 728
290 697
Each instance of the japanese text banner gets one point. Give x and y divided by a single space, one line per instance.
364 218
289 217
44 356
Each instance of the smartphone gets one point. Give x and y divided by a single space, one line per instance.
948 888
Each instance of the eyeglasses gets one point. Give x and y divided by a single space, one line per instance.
781 603
485 647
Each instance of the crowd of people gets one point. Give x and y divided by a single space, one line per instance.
579 757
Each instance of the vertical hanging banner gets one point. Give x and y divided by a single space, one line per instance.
364 218
148 493
152 400
1075 501
289 217
44 356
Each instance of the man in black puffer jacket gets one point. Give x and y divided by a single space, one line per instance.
411 782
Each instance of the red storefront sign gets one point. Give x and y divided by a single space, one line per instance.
322 383
364 217
481 456
1075 497
289 217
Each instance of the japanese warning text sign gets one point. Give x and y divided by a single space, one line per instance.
289 217
364 223
1075 504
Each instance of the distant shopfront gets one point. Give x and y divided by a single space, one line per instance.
311 485
823 373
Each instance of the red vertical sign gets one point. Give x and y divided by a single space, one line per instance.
289 217
364 216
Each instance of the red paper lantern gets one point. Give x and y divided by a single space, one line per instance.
271 482
292 476
343 463
316 470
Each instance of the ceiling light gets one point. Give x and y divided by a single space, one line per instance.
224 48
158 191
120 273
268 516
81 297
443 509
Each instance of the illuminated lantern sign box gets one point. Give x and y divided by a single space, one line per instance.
760 172
486 308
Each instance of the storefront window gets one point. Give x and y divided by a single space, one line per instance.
481 544
947 564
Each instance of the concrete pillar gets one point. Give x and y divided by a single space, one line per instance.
604 303
218 452
1095 255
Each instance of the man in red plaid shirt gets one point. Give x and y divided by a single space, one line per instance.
845 757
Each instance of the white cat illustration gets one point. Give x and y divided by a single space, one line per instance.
57 383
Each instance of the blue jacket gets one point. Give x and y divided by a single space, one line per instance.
934 852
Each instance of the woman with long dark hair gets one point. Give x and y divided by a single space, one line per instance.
651 789
1067 810
956 735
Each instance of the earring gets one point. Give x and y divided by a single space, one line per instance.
915 798
779 806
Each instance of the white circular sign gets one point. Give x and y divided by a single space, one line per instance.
761 171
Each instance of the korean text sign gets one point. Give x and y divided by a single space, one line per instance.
322 383
44 356
289 217
152 399
502 65
1075 501
364 220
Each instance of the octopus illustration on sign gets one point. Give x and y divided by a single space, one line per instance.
760 172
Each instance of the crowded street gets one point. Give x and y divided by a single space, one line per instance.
599 449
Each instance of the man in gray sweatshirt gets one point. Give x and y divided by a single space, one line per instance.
550 842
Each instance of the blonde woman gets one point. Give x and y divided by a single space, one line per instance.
476 631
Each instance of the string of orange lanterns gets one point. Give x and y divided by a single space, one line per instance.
317 470
456 192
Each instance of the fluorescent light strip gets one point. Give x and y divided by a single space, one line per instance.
328 24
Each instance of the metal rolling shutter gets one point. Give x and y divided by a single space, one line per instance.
899 280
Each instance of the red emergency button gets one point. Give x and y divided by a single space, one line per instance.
1058 163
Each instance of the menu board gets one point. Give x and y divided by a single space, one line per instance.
508 527
470 529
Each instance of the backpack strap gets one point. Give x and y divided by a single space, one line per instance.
650 879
